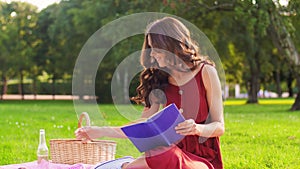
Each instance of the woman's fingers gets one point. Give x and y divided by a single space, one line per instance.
82 133
188 127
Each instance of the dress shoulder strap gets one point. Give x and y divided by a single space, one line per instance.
204 63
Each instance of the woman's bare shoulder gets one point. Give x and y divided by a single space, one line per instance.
210 77
208 69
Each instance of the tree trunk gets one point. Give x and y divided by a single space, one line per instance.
34 88
21 85
254 72
254 80
253 89
125 87
118 90
4 86
278 86
296 105
53 87
289 85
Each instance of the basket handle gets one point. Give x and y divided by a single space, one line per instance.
87 119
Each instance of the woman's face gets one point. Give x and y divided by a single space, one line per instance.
158 54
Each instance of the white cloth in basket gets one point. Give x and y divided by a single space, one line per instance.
114 164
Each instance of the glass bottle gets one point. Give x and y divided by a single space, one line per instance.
42 151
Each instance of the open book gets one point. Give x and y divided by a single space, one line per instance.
157 130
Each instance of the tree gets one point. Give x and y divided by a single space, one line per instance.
292 51
22 25
283 41
251 23
5 20
17 22
95 14
60 41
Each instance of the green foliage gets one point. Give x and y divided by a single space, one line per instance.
49 41
256 136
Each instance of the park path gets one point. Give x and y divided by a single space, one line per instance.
38 97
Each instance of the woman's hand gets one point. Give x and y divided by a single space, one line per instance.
188 127
88 133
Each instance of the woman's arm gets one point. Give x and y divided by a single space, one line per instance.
214 125
93 132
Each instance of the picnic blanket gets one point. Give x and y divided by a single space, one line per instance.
46 165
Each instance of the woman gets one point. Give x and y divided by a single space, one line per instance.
174 72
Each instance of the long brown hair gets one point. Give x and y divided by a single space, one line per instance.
170 35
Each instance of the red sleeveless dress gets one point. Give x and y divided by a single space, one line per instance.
191 97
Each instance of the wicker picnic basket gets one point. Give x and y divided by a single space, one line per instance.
72 151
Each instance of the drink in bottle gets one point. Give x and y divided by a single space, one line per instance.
42 152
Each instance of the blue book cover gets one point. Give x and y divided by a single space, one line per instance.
157 130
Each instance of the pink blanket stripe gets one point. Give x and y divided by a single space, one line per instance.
46 165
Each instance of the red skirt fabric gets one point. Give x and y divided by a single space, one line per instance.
175 158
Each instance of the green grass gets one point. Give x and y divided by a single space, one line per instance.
264 135
261 136
20 122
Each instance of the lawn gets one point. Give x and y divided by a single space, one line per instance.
264 135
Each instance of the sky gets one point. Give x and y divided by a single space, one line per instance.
284 2
41 4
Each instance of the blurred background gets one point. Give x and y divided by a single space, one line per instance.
257 43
